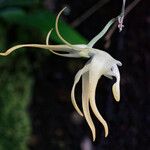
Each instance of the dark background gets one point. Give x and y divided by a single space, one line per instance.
55 124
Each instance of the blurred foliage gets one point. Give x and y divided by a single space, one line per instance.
41 20
15 85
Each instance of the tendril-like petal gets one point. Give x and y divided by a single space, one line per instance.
41 46
57 30
93 80
102 33
52 48
59 35
85 103
10 50
77 78
48 36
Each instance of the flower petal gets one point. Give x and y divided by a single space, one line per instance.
116 91
93 80
85 103
116 86
77 78
60 36
52 48
101 34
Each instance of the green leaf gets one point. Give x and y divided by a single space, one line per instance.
43 21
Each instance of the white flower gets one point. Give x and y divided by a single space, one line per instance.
100 63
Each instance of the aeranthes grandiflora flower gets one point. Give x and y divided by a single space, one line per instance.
99 63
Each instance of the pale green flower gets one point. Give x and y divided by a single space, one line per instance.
99 63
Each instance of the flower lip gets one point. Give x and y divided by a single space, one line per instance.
112 72
116 85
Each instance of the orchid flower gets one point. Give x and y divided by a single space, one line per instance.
99 63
